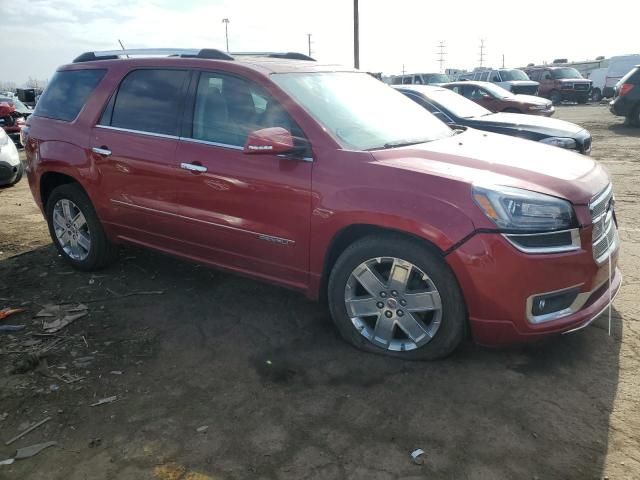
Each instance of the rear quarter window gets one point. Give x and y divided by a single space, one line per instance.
67 93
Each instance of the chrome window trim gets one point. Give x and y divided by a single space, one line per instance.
233 147
141 132
213 144
260 236
575 242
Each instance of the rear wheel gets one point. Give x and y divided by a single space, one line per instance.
635 117
76 230
596 95
555 97
392 296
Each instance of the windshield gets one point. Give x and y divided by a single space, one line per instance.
435 78
457 104
360 112
565 73
19 106
496 90
510 75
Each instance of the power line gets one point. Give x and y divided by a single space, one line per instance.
441 54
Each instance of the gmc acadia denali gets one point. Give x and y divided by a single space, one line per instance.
324 180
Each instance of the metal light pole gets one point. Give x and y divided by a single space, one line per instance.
309 41
226 31
356 36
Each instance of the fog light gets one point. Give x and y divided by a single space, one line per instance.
550 303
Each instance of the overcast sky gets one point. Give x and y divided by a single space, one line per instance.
39 35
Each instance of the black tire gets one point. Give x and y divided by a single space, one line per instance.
511 110
101 252
19 175
582 100
596 95
635 117
555 97
453 325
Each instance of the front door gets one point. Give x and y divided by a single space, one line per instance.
134 148
246 212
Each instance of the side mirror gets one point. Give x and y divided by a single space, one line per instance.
273 141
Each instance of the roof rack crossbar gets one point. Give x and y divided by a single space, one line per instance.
209 53
285 55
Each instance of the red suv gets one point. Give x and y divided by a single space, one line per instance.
326 181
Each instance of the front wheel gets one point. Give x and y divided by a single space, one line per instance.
390 295
511 110
555 97
596 95
635 117
76 230
582 100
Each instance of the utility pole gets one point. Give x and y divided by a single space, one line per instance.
309 42
403 70
503 60
226 31
441 54
482 54
356 36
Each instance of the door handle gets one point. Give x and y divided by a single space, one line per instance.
192 167
104 151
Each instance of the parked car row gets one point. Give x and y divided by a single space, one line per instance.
13 115
325 180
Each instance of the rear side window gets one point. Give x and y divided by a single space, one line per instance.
148 101
632 77
67 93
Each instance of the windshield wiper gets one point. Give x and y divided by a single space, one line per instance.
400 143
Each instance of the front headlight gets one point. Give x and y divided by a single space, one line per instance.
516 210
561 142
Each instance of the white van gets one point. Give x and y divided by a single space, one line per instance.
618 67
512 79
420 79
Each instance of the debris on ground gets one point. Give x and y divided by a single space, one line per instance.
116 372
28 430
104 400
417 456
5 312
12 328
61 315
95 442
3 416
32 450
83 362
8 461
202 429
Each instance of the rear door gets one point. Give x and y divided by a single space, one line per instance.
246 212
134 148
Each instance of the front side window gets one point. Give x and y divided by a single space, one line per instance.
228 108
67 93
359 112
149 101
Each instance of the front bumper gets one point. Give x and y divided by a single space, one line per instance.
9 172
497 280
545 113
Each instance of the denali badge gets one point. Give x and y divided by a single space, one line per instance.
281 241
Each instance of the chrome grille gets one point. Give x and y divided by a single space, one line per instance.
604 233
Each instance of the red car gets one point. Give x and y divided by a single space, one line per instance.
326 181
13 114
496 99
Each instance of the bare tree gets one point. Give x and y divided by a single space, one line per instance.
35 83
7 86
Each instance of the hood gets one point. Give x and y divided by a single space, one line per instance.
535 123
532 99
522 83
491 159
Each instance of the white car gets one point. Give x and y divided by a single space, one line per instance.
10 165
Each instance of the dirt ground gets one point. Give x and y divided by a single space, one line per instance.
280 395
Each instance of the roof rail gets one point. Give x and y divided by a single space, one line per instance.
209 53
285 55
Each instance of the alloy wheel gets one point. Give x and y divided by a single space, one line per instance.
71 229
393 303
